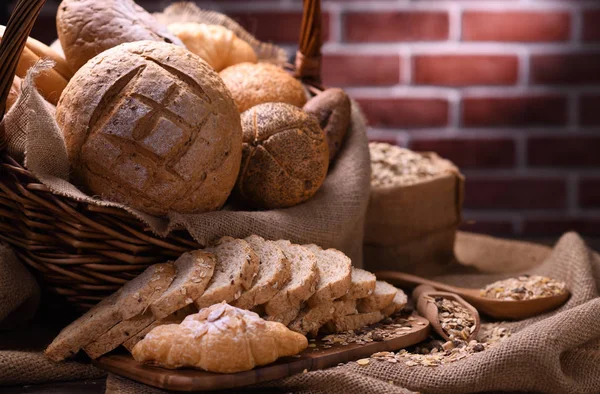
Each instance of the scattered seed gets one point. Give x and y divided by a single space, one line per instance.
363 361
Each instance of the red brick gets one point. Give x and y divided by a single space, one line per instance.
514 111
357 70
276 26
521 26
515 193
461 70
580 68
557 226
487 227
405 112
589 110
471 152
564 151
591 25
589 193
395 26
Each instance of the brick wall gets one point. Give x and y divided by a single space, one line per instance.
508 90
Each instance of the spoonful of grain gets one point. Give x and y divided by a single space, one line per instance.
514 298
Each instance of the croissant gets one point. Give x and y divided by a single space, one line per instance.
220 338
217 45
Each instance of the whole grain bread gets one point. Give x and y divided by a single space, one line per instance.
382 297
303 280
286 317
362 285
174 318
131 300
194 271
118 334
273 273
335 275
397 304
352 322
310 320
237 265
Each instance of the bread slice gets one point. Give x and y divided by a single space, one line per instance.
237 264
382 297
310 320
118 334
194 271
352 322
397 304
335 275
303 280
273 273
285 318
131 300
362 285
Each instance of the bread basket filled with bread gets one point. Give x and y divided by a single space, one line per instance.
138 137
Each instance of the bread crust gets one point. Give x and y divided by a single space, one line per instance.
253 84
88 27
152 126
284 156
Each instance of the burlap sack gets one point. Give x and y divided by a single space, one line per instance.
333 218
411 228
558 352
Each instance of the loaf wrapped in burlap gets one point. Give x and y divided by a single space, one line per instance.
332 218
411 228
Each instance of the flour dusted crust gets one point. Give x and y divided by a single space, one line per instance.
216 44
88 27
285 156
152 126
220 338
252 84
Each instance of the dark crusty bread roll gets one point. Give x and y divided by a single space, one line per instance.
285 156
255 83
88 27
152 125
333 111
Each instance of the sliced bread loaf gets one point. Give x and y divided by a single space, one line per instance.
273 273
352 322
310 320
118 334
382 297
131 300
174 318
194 271
335 275
236 266
362 285
303 280
286 317
397 304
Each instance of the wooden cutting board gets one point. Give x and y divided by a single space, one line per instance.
316 356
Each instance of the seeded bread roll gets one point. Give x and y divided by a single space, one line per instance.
273 273
333 110
152 126
382 297
216 44
88 27
236 267
252 84
284 156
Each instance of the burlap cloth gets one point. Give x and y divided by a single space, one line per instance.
558 352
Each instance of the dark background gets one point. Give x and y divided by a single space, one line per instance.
507 89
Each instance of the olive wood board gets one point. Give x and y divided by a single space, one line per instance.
313 358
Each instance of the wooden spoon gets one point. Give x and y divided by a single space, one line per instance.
499 309
424 294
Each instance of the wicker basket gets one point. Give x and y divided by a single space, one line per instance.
80 251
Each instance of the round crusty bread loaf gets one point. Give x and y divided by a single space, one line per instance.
88 27
216 44
252 84
151 125
284 156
